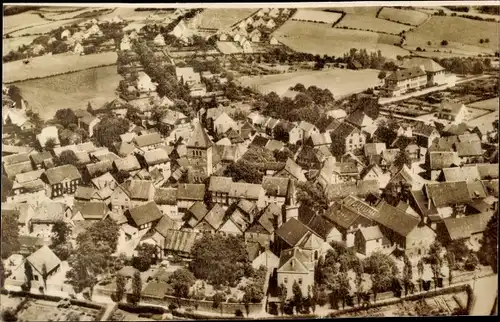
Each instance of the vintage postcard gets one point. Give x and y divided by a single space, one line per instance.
249 161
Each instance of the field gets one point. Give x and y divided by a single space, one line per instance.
44 28
73 13
220 18
228 48
412 17
127 13
316 16
360 11
371 23
491 104
322 39
22 20
464 35
44 66
47 95
40 310
14 43
339 81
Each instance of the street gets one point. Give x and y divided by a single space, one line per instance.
486 291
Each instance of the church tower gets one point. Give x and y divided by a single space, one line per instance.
292 206
199 147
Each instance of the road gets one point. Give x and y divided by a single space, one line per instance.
486 291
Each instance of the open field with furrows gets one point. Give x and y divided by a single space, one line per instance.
220 18
44 28
321 39
371 23
316 16
340 82
74 90
44 66
461 34
14 43
22 20
412 17
127 13
491 104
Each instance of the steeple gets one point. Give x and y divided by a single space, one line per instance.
292 206
199 138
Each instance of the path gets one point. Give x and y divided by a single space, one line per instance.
109 310
486 291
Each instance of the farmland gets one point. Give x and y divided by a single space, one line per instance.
339 81
322 39
44 28
316 16
360 11
219 18
22 20
411 17
14 43
70 13
371 23
464 35
44 66
490 104
47 95
127 13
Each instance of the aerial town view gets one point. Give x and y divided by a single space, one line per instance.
204 162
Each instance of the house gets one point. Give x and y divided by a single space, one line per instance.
441 160
187 76
43 262
213 219
65 34
452 112
144 83
180 242
296 266
402 81
195 214
347 138
48 133
466 228
261 230
436 74
291 170
255 35
224 123
374 149
246 191
405 175
144 216
129 164
469 152
425 134
188 194
270 24
156 159
289 235
45 215
320 139
276 189
78 49
374 172
219 189
131 193
61 180
368 240
273 41
159 40
166 200
92 211
307 129
16 164
360 120
445 196
470 173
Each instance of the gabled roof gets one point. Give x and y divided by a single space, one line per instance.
39 157
396 220
294 169
269 217
429 65
343 131
469 149
448 193
461 174
292 231
215 216
191 191
164 225
156 156
198 210
99 167
476 190
145 213
441 160
293 260
451 107
374 148
138 189
359 119
181 240
420 128
220 184
245 190
464 227
166 196
320 226
405 74
199 138
15 158
488 170
65 172
42 256
90 210
83 192
147 139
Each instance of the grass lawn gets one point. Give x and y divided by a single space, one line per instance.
340 82
412 17
461 34
490 104
44 66
371 23
220 18
74 90
321 39
316 16
22 20
360 11
14 43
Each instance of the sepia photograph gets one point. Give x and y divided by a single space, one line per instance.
230 161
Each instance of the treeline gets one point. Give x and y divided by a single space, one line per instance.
458 65
14 10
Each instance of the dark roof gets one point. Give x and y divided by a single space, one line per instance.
165 196
215 216
488 170
448 193
39 157
343 130
90 210
145 213
191 191
181 240
396 220
292 231
129 163
138 189
259 141
100 167
83 192
333 125
441 160
405 74
464 227
58 174
340 215
15 158
199 138
465 149
385 135
420 128
320 226
163 226
491 186
445 143
198 210
356 118
147 139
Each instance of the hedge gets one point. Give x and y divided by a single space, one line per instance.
198 316
133 308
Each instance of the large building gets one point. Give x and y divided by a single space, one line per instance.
403 81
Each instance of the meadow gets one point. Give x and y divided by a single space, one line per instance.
322 39
14 43
44 28
371 23
74 90
22 20
44 66
465 34
412 17
360 11
126 13
316 16
220 18
491 104
340 82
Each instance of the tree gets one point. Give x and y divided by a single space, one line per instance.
65 117
444 43
243 170
44 275
402 158
489 243
10 233
282 290
136 288
3 275
181 281
9 315
146 256
458 250
68 157
298 88
298 298
28 273
471 262
382 268
109 129
120 287
382 75
217 301
6 187
122 176
50 144
478 67
221 260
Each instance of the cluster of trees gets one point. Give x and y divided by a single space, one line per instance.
10 234
220 260
60 243
250 167
468 65
372 60
92 256
488 252
109 129
254 289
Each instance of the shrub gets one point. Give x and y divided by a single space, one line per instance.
444 43
238 313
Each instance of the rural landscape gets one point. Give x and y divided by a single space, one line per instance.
180 162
